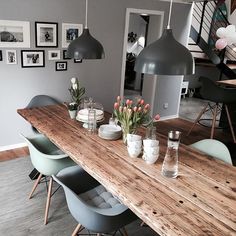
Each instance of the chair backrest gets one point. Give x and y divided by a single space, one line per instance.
40 101
76 184
213 148
215 93
46 157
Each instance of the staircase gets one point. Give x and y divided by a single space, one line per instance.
208 16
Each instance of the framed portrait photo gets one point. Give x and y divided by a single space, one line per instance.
14 34
11 57
65 57
32 58
61 65
70 32
46 34
54 55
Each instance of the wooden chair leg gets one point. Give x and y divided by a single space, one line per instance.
76 230
198 118
35 185
48 201
125 232
214 121
230 123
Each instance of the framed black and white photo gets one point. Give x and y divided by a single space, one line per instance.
32 58
61 65
46 34
54 55
14 34
11 57
70 32
77 60
0 55
65 57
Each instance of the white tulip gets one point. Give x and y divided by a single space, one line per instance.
73 80
74 86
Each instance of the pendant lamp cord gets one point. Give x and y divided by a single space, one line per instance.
86 15
168 25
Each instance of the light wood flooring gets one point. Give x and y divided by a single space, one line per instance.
198 133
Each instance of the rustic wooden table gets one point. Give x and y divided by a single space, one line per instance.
201 201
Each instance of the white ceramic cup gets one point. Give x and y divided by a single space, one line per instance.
151 151
136 144
150 143
133 137
134 152
150 159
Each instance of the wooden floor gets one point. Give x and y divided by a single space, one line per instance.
163 127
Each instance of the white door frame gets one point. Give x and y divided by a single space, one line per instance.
128 12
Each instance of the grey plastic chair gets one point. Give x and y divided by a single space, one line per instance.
90 204
40 101
213 148
216 94
48 159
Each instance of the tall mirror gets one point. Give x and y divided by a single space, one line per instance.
142 28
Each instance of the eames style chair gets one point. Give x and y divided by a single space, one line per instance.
48 159
220 97
213 148
40 101
91 205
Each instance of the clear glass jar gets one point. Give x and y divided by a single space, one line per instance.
170 164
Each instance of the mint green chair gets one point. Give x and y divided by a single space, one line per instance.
48 159
213 148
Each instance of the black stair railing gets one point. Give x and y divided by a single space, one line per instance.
203 32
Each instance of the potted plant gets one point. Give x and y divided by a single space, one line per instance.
76 91
72 108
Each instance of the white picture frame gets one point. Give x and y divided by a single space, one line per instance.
14 34
70 32
54 55
11 57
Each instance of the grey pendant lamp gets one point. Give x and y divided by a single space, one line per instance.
85 46
165 56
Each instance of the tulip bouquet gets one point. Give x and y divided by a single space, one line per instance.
76 91
132 115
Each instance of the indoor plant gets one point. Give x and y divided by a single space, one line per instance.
72 108
76 91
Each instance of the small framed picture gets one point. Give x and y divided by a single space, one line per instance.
14 34
61 65
54 55
70 32
11 57
0 55
77 60
65 57
32 58
46 34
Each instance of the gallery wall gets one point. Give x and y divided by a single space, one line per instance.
101 78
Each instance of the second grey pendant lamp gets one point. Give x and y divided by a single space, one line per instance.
85 46
166 56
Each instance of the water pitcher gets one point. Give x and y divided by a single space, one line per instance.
170 164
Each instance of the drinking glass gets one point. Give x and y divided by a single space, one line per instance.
92 124
151 132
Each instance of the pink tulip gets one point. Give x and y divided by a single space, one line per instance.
127 102
118 99
139 109
157 117
221 44
142 102
147 107
120 109
135 109
116 105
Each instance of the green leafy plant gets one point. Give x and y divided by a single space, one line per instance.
76 91
72 106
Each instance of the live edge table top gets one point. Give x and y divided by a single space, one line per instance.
200 201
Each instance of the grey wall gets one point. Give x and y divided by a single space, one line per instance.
101 78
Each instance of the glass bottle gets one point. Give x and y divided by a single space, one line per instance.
170 164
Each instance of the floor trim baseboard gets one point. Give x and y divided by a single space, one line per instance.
168 117
13 146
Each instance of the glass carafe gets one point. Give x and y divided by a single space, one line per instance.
170 164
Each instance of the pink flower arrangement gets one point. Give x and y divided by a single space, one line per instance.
131 114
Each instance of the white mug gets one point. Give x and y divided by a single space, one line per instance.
150 159
150 143
134 152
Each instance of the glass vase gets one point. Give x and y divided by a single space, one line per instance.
126 129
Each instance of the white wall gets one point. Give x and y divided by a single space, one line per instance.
101 78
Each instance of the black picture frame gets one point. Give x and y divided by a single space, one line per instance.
77 60
0 55
46 34
32 58
61 65
65 57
